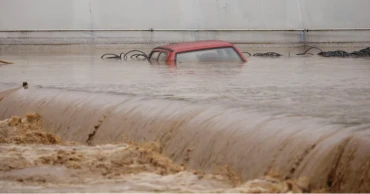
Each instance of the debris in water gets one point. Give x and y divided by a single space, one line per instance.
25 85
6 62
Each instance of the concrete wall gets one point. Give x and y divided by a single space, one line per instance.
18 16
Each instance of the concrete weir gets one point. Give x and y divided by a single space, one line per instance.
204 137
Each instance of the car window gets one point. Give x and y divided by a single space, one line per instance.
154 55
162 56
210 55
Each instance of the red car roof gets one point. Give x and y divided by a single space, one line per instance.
186 46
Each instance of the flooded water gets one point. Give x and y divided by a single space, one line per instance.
33 160
303 116
334 89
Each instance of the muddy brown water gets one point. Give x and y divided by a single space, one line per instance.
301 116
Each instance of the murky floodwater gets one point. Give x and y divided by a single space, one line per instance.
33 160
305 116
335 89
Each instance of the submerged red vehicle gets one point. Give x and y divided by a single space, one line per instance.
197 52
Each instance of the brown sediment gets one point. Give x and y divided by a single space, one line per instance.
52 164
129 159
132 159
14 161
27 130
203 138
231 175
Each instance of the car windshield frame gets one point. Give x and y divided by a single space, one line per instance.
213 48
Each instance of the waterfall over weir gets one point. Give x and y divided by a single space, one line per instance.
204 137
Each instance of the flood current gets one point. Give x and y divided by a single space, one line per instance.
302 116
336 90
